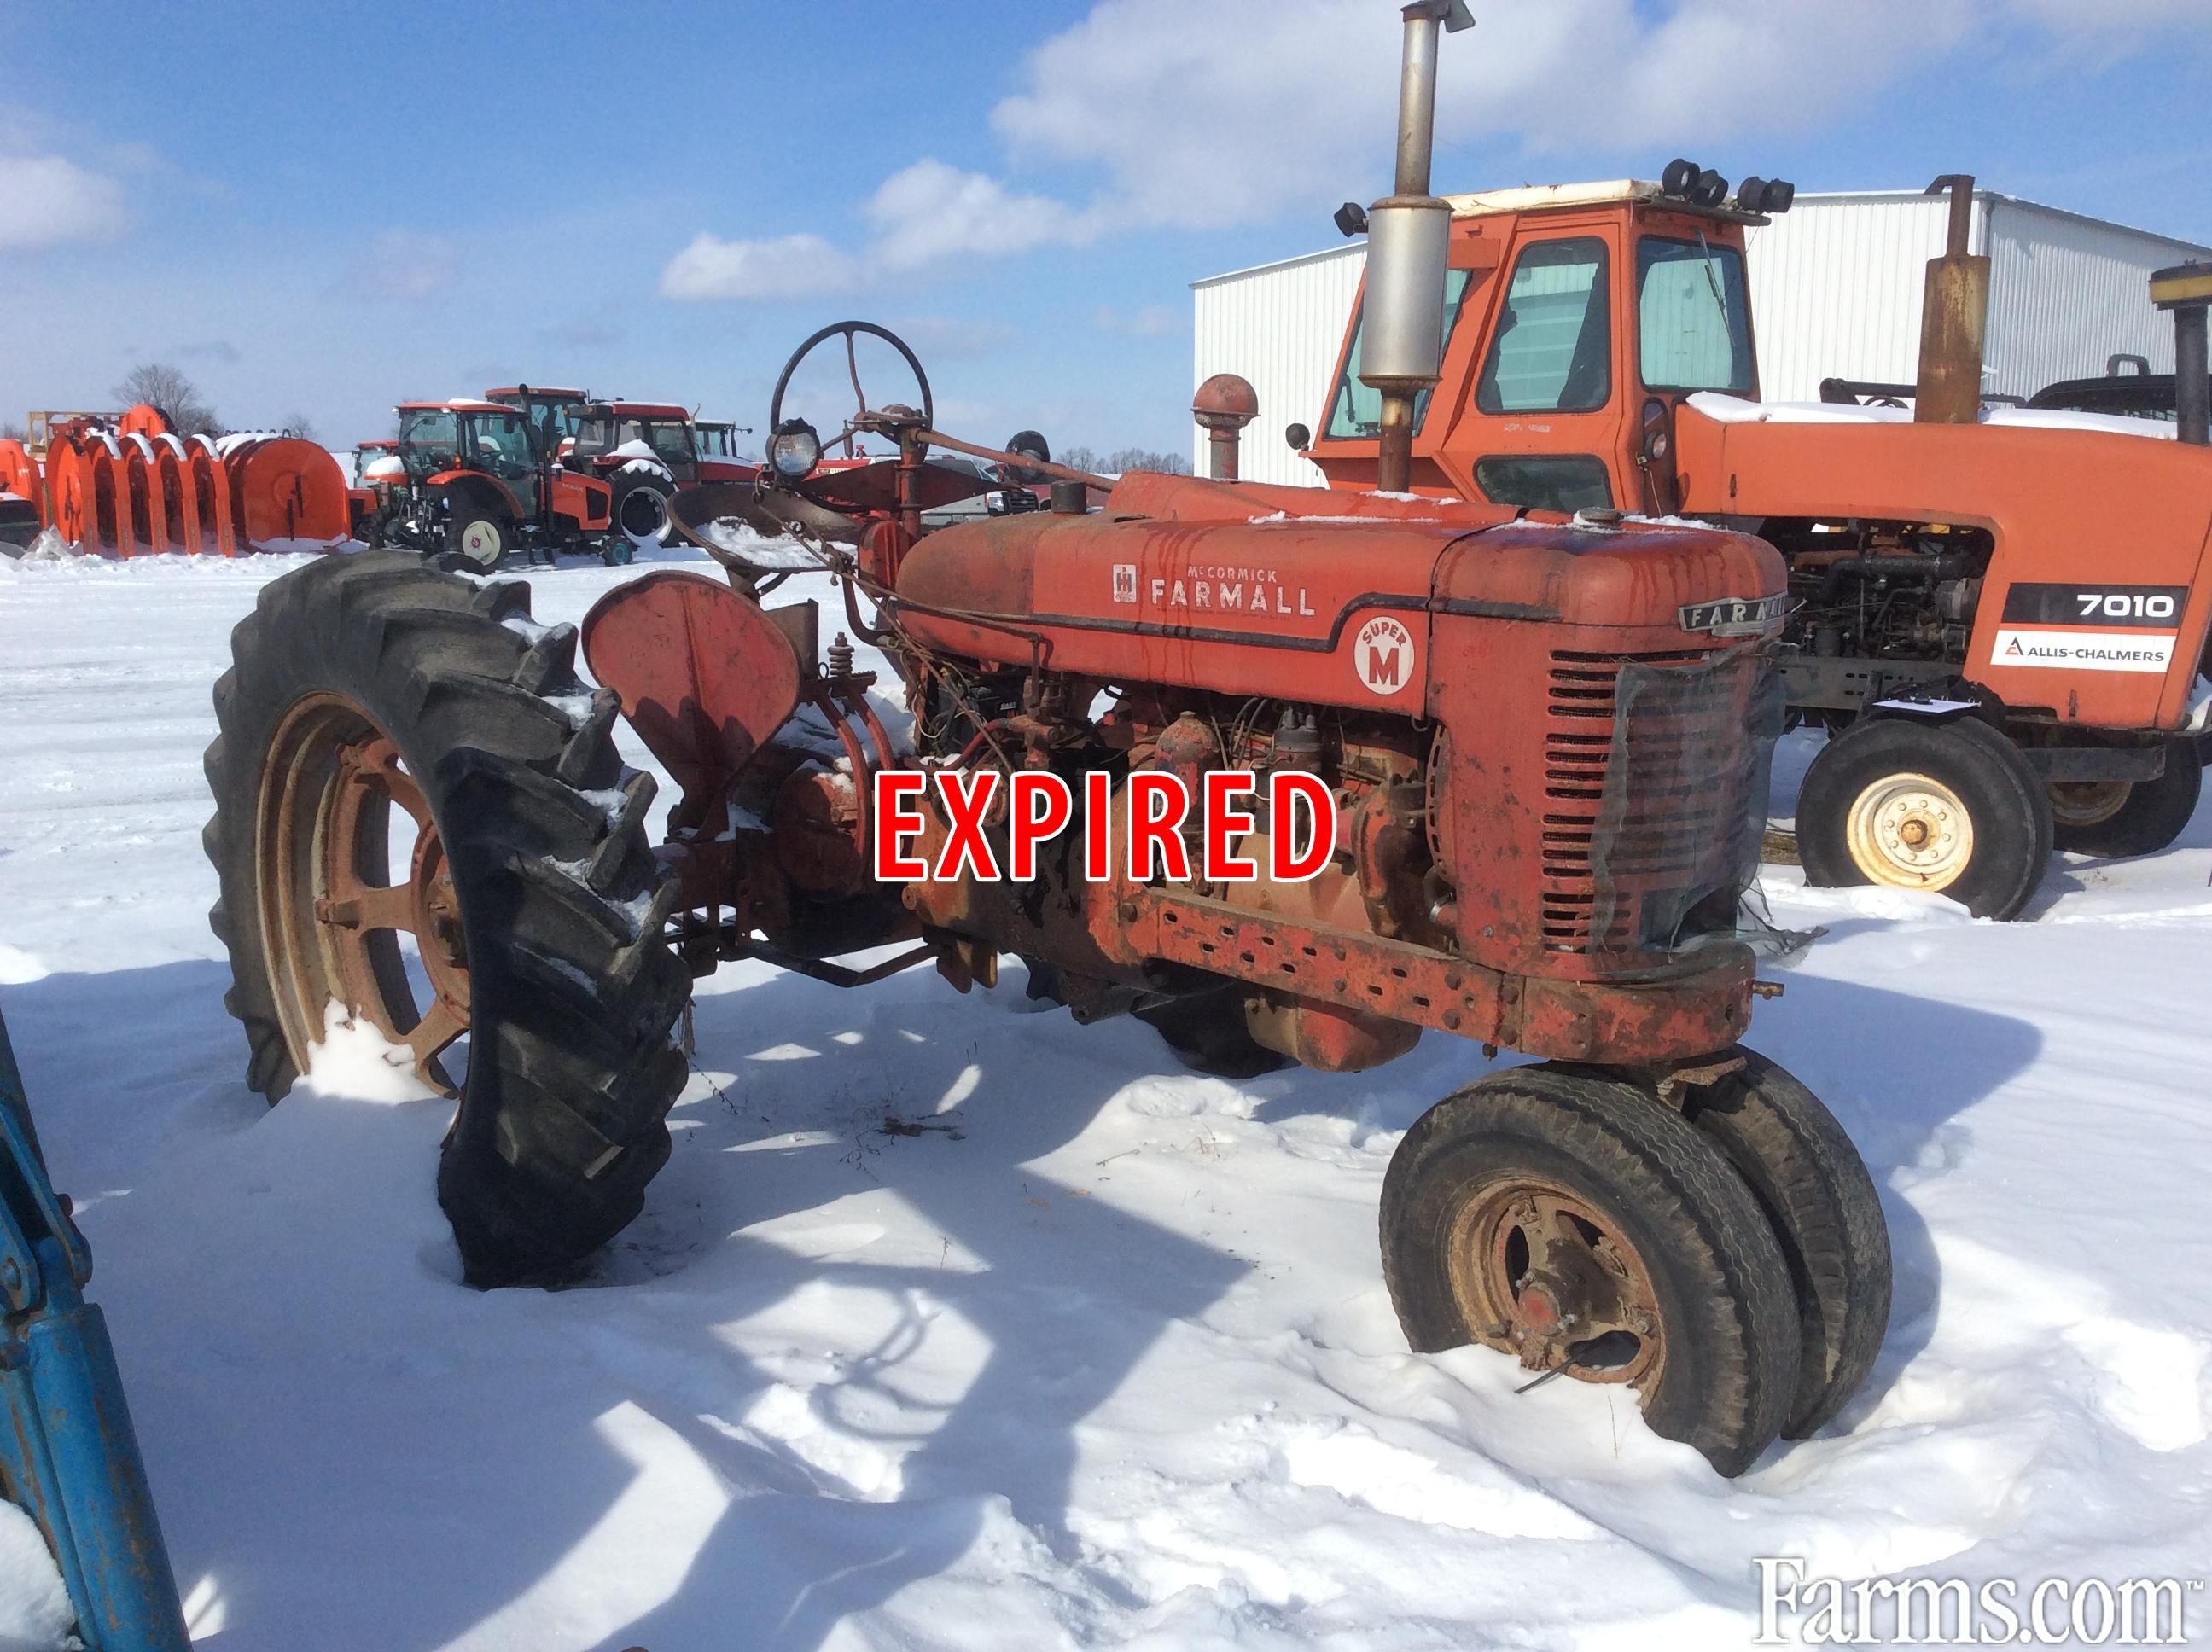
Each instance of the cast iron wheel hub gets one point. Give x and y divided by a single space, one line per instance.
1541 1273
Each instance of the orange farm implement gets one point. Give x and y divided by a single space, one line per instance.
128 485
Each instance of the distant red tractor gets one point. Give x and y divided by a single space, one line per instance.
645 451
473 484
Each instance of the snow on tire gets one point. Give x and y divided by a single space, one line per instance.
368 688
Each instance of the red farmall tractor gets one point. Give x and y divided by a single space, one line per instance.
1547 790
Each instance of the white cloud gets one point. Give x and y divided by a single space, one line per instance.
925 214
930 211
46 200
789 266
405 266
1235 112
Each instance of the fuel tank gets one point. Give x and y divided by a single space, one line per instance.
1302 593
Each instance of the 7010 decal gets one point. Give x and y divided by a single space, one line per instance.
2152 607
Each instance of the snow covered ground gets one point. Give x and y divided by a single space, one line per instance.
952 1325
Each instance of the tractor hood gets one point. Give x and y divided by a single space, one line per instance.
1288 590
2077 507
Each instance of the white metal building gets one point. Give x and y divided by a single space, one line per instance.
1836 286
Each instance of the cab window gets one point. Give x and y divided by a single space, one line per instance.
1544 482
1551 353
429 441
1355 411
1693 320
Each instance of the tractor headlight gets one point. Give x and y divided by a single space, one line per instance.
794 449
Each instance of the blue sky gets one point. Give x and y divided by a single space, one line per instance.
323 210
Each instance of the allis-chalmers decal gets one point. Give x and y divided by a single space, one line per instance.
1733 616
1300 833
2107 628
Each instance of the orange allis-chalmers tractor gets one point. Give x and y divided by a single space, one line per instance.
1548 794
1998 615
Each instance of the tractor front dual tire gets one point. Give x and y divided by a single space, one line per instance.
1808 1178
1541 1197
2121 818
369 687
1950 807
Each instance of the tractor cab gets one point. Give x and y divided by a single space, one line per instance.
611 436
552 413
437 439
1578 317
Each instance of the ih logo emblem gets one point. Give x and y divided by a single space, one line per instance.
1382 653
1125 582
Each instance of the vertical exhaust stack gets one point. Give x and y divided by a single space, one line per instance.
1224 404
1953 315
2186 290
1408 236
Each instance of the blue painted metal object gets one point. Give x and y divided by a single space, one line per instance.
67 1453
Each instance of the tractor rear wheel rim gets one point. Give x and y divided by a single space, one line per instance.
644 515
1909 831
1539 1273
331 911
480 543
2087 803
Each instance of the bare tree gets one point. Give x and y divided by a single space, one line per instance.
1143 458
1124 459
300 425
10 431
168 389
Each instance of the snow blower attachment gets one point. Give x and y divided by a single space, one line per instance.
69 1456
126 485
1496 771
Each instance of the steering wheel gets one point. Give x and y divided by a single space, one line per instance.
849 330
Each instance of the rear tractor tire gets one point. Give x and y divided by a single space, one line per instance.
2118 818
640 515
1949 807
1568 1220
370 696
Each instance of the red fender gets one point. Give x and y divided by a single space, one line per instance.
706 678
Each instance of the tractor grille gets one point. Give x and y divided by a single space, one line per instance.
1654 780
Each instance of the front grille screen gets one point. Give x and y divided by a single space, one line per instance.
1655 796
